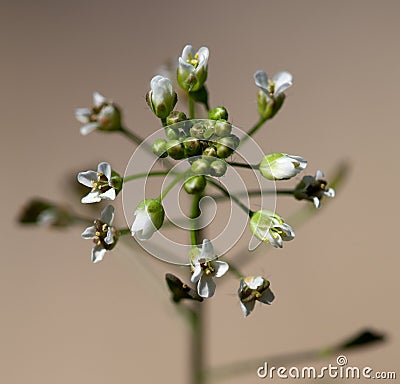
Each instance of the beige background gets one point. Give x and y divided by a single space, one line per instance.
64 320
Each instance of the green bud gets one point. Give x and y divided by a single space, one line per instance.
198 130
116 181
209 131
147 210
109 118
201 167
223 128
159 148
176 149
195 184
218 168
218 113
235 140
192 147
225 147
268 107
172 133
176 117
162 97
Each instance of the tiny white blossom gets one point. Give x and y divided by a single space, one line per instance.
271 228
104 115
313 188
280 166
252 289
104 235
105 186
149 217
273 88
192 68
162 97
205 267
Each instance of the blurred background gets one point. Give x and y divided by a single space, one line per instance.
65 320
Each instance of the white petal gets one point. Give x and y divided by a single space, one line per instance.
86 129
107 215
89 233
109 195
83 115
220 268
261 79
254 282
207 250
247 307
97 253
206 286
87 177
203 54
316 201
110 237
330 192
319 175
282 81
142 227
91 197
98 99
288 230
267 297
185 65
187 51
196 273
275 241
105 169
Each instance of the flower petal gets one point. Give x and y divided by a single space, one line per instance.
83 115
267 297
187 51
254 282
97 253
316 201
98 99
319 175
247 307
196 273
282 81
330 192
86 178
110 236
86 129
105 169
107 215
108 195
207 250
91 197
206 286
220 268
261 79
89 233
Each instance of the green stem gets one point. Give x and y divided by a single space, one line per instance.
235 271
229 196
171 185
253 130
145 174
124 231
191 107
164 122
256 193
243 165
132 136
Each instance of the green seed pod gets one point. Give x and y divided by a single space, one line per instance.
225 147
176 117
195 184
159 148
192 147
201 167
197 130
236 140
172 133
218 113
223 128
218 168
176 149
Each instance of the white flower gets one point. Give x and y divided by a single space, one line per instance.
104 235
270 227
280 166
313 188
205 267
104 184
104 116
149 218
162 97
273 88
192 68
254 288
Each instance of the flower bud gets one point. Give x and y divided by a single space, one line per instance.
270 227
192 147
149 218
267 107
226 146
192 68
176 117
159 148
223 128
218 113
198 130
176 149
172 133
162 97
210 151
279 166
195 184
218 168
201 167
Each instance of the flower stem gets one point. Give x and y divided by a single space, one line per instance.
243 165
124 231
191 107
131 135
145 174
235 271
171 185
256 193
229 196
254 129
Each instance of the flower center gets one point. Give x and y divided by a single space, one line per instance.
101 231
271 88
193 60
101 184
206 267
